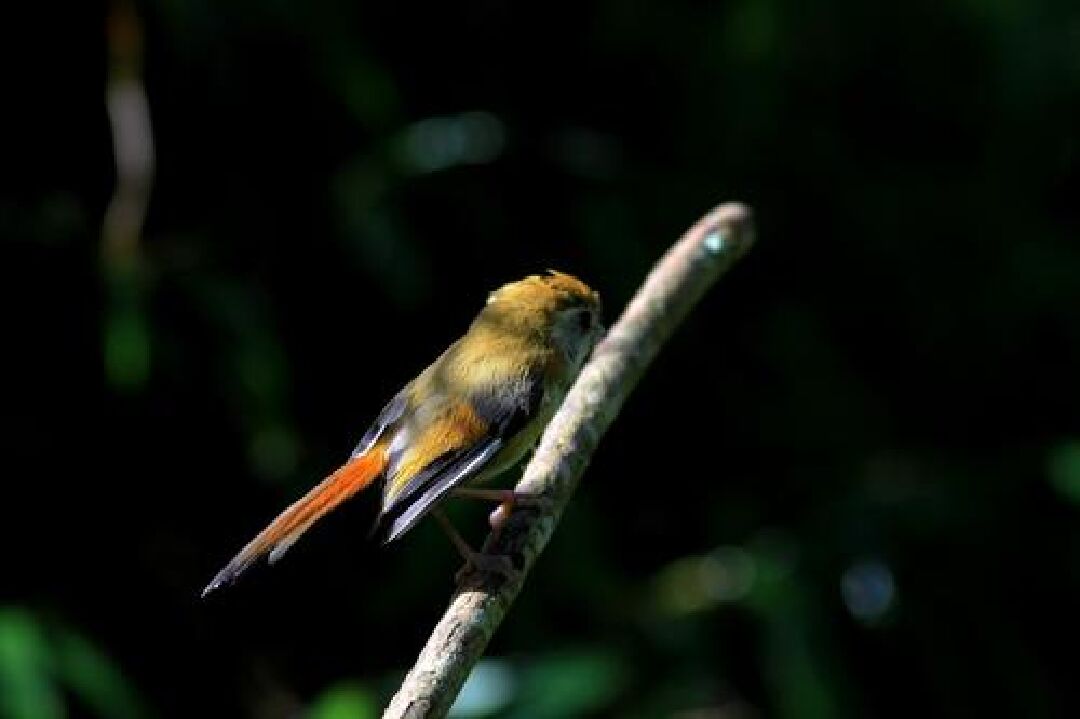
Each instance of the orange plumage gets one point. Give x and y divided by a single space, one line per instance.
353 476
469 416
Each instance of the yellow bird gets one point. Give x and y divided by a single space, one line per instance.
471 415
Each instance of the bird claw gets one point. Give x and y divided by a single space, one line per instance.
501 514
535 501
479 562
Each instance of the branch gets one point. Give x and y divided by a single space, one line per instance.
126 340
477 608
133 139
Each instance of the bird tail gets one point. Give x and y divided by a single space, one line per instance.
353 476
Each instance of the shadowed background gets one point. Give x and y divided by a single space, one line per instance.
848 487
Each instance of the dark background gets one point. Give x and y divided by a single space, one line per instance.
848 487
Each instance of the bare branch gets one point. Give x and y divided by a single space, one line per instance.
126 341
133 141
673 287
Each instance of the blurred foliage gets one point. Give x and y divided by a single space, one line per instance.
50 671
570 683
345 701
848 488
1065 470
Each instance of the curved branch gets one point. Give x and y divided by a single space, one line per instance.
477 608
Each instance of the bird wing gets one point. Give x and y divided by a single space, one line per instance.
468 438
392 412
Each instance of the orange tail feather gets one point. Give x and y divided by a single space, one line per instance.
354 475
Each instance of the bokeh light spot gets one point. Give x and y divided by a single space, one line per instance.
489 688
869 590
439 143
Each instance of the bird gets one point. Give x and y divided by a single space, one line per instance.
470 416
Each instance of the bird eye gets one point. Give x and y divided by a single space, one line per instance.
585 319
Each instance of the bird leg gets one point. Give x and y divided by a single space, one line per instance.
507 499
474 560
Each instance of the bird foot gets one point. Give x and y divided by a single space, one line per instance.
501 514
479 562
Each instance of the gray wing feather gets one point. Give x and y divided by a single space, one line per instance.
445 477
392 412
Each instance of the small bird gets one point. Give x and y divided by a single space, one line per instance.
471 415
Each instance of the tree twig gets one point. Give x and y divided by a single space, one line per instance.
477 608
133 139
126 341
